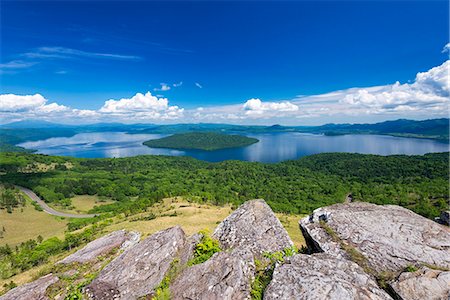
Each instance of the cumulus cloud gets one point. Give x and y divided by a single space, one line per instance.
430 91
164 87
426 97
18 103
142 106
256 106
16 107
446 48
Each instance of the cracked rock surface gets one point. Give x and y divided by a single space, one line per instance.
31 291
255 227
389 236
138 270
423 284
322 276
225 276
104 245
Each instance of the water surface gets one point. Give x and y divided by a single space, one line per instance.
272 147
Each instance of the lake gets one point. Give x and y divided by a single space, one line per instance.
272 147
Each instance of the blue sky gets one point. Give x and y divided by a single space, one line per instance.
202 61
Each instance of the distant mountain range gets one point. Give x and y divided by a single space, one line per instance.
32 130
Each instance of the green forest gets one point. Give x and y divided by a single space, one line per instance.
419 183
207 141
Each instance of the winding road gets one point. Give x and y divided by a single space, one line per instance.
48 209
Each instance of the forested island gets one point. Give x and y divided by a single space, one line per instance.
208 141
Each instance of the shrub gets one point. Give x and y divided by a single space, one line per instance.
205 249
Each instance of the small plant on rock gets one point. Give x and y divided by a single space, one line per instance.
205 249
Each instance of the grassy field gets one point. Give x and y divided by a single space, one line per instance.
81 204
27 223
193 217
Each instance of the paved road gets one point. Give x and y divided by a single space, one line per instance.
47 208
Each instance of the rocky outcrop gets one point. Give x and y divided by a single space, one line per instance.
138 270
322 276
353 245
31 291
102 246
389 236
253 226
226 275
423 284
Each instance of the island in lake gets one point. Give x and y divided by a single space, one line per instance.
207 141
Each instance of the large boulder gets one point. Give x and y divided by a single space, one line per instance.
390 237
140 269
31 291
102 246
423 284
255 227
322 276
225 276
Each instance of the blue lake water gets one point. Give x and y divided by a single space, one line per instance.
272 147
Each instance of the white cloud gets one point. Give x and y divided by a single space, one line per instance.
142 106
426 97
429 92
164 87
66 53
85 113
446 48
52 108
16 64
19 107
178 84
256 106
17 103
198 85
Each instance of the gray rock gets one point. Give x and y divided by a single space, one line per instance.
188 250
102 246
423 284
389 236
322 276
253 226
138 270
226 275
31 291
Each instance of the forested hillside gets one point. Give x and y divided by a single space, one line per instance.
299 186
